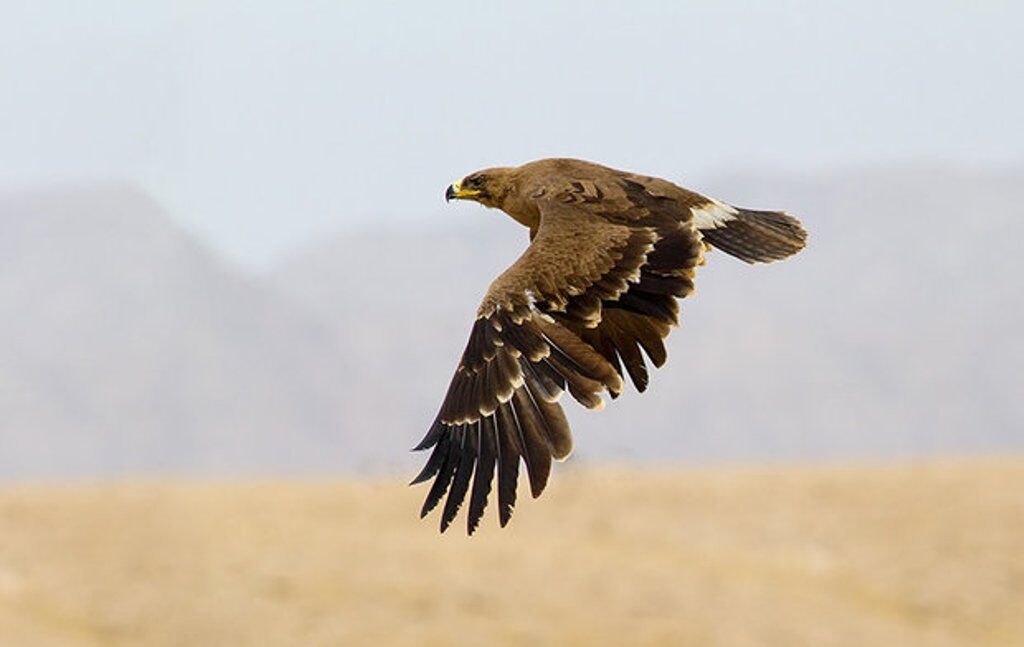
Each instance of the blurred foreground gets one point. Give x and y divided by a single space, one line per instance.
928 553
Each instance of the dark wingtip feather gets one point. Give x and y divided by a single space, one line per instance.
532 445
484 474
508 472
443 478
634 363
433 435
460 482
433 465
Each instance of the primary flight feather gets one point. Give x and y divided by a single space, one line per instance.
595 291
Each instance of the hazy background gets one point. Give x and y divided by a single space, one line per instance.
223 245
232 296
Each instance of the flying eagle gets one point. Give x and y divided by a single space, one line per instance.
610 253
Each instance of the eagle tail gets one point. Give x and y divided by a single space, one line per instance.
755 236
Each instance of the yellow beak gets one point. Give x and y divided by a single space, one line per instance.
456 192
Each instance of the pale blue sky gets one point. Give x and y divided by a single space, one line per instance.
260 125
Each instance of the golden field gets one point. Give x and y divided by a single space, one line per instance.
917 554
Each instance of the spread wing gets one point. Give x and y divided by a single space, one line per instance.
597 284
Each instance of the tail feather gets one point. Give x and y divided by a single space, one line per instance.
755 236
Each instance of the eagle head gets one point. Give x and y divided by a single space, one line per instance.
489 187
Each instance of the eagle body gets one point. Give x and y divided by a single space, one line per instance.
588 303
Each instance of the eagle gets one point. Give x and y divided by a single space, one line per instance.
594 293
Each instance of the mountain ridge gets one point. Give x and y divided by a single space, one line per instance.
132 346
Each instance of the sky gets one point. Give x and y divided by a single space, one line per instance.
262 125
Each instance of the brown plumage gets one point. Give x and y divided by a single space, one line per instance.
594 293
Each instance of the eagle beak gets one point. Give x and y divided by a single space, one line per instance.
456 192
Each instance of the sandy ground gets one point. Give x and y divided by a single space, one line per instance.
923 554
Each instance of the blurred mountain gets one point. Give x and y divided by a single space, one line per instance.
896 332
404 299
129 346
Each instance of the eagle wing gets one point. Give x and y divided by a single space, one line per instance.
642 317
597 284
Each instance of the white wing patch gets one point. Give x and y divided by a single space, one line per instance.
713 214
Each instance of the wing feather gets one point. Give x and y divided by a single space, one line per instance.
508 471
460 480
484 475
451 450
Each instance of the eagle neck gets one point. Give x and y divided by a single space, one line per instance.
525 212
521 206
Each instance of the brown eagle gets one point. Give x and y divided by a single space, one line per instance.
610 253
